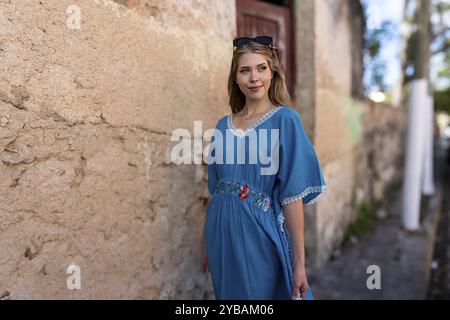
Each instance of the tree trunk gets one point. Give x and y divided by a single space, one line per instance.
422 61
397 94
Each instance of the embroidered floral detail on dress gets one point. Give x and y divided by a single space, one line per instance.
245 192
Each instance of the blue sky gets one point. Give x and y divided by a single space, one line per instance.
378 11
393 10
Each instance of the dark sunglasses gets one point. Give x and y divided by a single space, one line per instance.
264 40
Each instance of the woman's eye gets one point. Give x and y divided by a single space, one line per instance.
261 68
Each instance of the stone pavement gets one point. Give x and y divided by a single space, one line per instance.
404 258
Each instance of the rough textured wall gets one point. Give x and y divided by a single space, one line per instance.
367 172
333 46
324 83
384 146
350 138
305 39
337 123
86 117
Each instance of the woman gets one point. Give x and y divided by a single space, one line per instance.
253 237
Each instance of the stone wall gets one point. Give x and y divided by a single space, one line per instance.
86 119
359 144
384 146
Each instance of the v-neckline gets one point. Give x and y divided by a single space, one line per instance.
242 133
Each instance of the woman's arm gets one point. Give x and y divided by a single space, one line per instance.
294 216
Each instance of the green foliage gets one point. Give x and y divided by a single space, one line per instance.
365 220
439 36
411 49
374 64
445 71
442 100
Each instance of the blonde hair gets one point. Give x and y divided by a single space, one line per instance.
278 94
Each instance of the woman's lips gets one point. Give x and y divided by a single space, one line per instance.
255 89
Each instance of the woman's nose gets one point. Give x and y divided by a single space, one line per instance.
253 75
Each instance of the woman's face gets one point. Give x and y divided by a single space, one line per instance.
254 76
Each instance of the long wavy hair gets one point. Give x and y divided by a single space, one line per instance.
278 93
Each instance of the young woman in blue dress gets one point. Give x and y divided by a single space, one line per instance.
258 98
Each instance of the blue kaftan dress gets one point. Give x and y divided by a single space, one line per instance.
247 241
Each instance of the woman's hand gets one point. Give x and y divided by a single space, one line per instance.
294 222
300 283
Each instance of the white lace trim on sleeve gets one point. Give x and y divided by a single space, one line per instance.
307 191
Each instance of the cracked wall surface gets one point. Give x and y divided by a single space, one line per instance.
86 117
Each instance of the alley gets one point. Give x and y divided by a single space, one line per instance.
440 276
403 258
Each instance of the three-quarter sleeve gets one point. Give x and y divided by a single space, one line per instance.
299 175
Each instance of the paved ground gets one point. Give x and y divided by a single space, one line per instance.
404 258
440 277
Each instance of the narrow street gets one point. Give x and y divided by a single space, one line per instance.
403 257
440 277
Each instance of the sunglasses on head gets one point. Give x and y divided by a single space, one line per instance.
264 40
